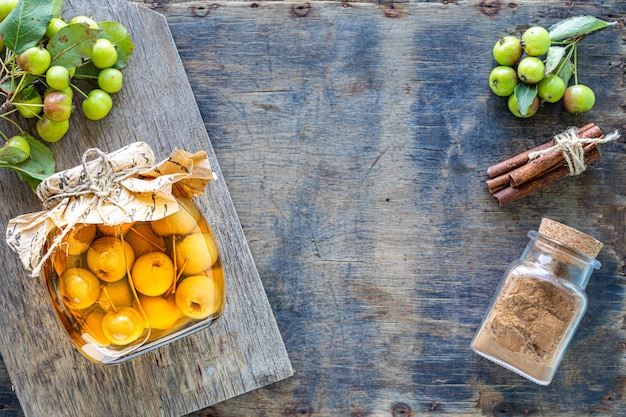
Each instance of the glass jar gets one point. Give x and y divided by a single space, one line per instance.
539 303
120 291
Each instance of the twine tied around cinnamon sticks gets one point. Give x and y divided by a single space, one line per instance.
568 153
571 147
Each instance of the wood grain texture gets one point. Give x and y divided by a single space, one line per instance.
354 140
241 351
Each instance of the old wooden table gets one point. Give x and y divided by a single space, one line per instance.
354 139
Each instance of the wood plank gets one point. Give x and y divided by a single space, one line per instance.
242 351
363 140
354 140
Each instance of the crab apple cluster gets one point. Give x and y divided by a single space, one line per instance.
522 75
50 96
125 284
53 69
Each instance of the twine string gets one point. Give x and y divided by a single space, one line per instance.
102 182
572 146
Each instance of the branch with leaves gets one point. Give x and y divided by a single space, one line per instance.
540 66
44 59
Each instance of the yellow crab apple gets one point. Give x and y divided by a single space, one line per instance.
79 288
93 327
181 222
142 238
195 253
109 258
115 294
153 273
61 261
198 297
123 326
162 312
78 240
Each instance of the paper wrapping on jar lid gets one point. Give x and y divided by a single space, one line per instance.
119 187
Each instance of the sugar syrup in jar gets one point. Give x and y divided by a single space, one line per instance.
123 290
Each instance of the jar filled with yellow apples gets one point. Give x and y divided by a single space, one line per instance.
129 261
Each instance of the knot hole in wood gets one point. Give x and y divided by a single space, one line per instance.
401 410
301 10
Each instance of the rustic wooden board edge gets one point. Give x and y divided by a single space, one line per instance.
257 353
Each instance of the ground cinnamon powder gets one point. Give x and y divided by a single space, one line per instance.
531 316
527 324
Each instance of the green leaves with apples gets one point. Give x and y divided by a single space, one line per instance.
561 56
37 39
27 23
37 167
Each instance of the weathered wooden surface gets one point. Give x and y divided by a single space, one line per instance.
241 351
354 139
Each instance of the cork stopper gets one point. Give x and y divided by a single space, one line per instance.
570 237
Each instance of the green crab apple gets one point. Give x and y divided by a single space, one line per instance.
29 104
551 88
110 80
57 106
35 60
85 20
52 131
503 80
531 70
55 25
578 99
97 104
508 50
104 54
6 7
20 147
58 77
536 41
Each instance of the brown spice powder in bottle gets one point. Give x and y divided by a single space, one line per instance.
539 303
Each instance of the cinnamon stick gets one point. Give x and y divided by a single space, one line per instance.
515 162
546 163
521 159
510 194
498 183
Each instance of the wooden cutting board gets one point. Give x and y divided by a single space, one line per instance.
240 352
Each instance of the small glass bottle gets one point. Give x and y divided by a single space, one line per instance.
539 303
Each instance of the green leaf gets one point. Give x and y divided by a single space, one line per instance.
566 71
119 36
87 71
26 94
525 94
10 84
26 24
577 26
57 5
72 45
38 167
554 57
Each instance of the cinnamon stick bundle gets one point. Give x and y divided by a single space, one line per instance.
520 176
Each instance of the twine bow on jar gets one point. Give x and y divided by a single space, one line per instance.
115 188
103 184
